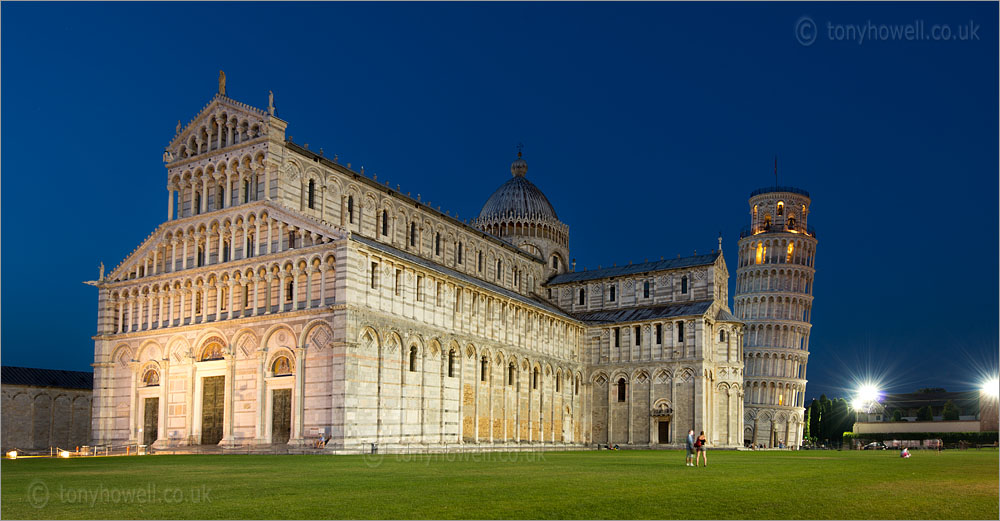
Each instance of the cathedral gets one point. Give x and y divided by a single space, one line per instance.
290 300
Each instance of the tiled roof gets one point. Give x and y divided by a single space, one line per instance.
726 316
35 377
537 302
614 316
684 262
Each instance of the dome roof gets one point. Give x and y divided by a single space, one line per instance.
518 197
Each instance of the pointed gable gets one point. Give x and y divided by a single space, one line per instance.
237 121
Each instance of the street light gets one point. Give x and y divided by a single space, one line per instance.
992 387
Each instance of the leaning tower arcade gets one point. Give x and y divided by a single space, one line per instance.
777 254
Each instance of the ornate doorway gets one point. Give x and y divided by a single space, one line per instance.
213 398
150 424
663 431
281 415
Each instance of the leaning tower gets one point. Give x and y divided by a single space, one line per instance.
774 283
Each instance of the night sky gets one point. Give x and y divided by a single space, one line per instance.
646 125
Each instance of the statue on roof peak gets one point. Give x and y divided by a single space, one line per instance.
222 83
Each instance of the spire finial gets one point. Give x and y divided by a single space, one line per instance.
720 241
520 148
222 83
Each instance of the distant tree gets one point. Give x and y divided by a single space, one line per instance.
924 414
814 417
825 425
925 390
805 434
897 415
950 411
840 420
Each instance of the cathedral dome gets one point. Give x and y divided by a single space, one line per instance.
518 197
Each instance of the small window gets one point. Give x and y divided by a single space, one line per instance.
437 244
480 261
583 296
413 359
558 382
484 366
350 209
617 337
312 194
197 203
291 240
555 262
510 374
451 363
459 254
385 222
499 270
200 259
288 292
374 275
722 336
576 385
659 334
534 378
246 191
638 335
611 295
645 289
399 282
281 366
684 284
781 208
680 332
621 389
413 234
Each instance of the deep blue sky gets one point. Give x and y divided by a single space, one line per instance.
647 125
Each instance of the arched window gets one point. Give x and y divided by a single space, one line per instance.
755 215
722 335
201 256
197 203
767 222
499 270
413 234
312 194
413 359
638 335
781 208
212 351
534 378
385 222
249 246
151 378
680 331
281 366
459 252
291 240
480 263
760 253
791 223
437 244
791 251
684 284
645 289
611 294
484 366
583 296
350 209
220 190
246 191
558 382
510 374
576 385
555 262
621 389
451 363
288 291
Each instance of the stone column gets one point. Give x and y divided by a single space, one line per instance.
260 437
295 289
229 312
298 396
227 417
184 259
222 243
228 201
170 204
133 417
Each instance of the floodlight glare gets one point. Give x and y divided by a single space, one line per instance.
868 393
992 387
857 404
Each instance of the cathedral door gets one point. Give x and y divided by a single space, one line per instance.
151 415
281 415
663 432
213 396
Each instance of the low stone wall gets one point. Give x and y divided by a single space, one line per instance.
942 426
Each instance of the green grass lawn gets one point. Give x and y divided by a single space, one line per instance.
624 484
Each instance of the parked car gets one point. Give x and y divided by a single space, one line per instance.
875 445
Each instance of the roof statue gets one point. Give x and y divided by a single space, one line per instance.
222 83
178 129
270 102
101 272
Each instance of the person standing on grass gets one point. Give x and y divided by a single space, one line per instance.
699 445
690 448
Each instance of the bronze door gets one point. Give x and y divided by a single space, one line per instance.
664 432
151 414
281 415
213 396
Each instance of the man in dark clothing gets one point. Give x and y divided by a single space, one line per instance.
690 448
